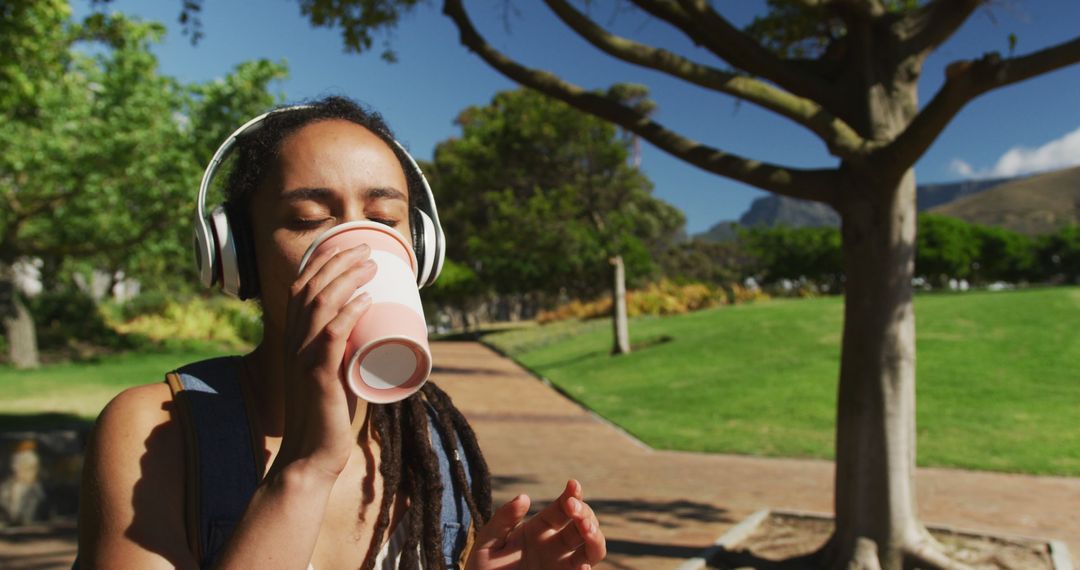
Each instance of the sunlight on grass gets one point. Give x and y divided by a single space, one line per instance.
997 382
82 388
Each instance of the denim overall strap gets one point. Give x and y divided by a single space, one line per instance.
222 470
455 511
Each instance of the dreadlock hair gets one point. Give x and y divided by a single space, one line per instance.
408 463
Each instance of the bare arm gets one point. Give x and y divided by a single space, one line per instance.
131 511
132 514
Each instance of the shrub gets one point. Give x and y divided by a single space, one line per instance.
244 317
738 294
220 320
69 315
146 303
664 297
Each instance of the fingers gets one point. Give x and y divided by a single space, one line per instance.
327 304
337 331
322 288
577 560
493 534
595 544
558 513
584 535
297 298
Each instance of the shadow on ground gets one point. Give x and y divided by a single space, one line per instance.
38 547
635 549
466 371
734 560
43 421
666 514
504 482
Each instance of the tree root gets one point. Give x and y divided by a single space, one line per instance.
865 557
925 553
922 552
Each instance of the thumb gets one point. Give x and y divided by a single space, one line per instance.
493 534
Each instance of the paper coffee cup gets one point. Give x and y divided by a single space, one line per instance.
387 357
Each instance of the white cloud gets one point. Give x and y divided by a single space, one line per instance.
1058 153
961 168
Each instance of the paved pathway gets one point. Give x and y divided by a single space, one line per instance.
659 508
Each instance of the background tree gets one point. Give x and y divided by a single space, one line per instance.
539 196
797 253
699 261
102 153
1059 255
457 289
847 71
947 249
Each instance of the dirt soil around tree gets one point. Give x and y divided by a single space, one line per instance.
661 508
781 540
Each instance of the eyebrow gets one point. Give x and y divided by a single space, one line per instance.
326 194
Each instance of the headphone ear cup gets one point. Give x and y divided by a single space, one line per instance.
427 246
207 256
226 274
419 242
246 271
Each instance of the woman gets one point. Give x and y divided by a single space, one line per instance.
344 483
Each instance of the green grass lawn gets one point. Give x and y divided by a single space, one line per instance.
63 394
998 377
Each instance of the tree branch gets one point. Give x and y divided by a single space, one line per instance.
966 80
930 25
841 139
816 185
711 30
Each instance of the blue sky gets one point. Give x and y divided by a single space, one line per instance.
1031 126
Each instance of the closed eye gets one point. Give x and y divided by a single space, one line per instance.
308 223
384 221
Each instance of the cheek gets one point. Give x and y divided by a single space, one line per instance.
279 255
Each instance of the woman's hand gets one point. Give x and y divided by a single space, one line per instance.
318 407
565 535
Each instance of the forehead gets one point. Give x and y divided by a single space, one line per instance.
338 154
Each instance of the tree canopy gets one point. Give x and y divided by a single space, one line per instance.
536 196
103 152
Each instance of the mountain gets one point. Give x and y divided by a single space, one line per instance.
720 232
772 210
930 196
1033 205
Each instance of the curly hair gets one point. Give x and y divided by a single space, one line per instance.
408 462
257 151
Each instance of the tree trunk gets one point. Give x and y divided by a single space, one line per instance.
875 429
618 308
18 324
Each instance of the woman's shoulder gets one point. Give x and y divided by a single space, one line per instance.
133 479
136 412
135 425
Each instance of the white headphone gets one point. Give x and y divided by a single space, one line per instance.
223 249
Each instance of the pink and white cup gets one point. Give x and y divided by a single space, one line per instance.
387 357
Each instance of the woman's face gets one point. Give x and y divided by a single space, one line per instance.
328 173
